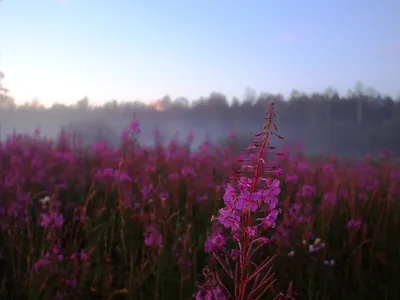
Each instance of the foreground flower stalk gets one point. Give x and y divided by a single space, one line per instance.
250 209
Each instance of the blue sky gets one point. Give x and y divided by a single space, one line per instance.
61 51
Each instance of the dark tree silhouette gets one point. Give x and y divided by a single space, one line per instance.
361 121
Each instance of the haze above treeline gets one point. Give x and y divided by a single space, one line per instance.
362 121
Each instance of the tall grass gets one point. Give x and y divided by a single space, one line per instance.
134 222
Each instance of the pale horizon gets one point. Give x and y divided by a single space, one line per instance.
62 51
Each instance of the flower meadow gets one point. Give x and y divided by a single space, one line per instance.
173 222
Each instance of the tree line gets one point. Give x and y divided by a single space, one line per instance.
363 121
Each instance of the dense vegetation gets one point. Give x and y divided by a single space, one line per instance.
134 221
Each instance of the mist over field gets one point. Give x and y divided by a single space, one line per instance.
353 125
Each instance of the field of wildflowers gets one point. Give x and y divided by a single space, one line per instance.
169 222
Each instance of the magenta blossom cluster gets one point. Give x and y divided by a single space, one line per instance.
354 224
153 237
238 203
53 218
213 294
131 131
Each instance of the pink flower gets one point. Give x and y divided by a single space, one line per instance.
213 243
278 172
252 231
292 178
354 224
54 218
40 263
270 219
219 241
146 190
308 191
247 201
134 127
153 237
45 220
229 219
229 196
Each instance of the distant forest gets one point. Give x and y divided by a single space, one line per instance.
363 121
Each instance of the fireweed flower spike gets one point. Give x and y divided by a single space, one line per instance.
250 205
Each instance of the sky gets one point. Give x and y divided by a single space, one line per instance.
63 50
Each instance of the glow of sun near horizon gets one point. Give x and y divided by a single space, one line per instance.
61 51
